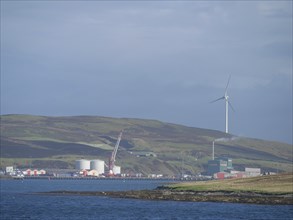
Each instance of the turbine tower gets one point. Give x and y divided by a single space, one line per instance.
226 98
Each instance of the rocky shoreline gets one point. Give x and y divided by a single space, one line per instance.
190 196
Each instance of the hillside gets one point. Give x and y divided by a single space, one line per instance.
277 184
56 142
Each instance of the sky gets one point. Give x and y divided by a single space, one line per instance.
162 60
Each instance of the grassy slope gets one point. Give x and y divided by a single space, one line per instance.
25 136
282 183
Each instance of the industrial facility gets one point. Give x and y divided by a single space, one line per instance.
94 167
218 168
97 167
221 164
222 167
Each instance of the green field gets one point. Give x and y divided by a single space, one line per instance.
281 183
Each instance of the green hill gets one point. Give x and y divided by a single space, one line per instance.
56 142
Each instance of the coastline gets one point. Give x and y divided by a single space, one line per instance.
189 196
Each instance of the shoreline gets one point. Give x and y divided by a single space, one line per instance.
172 180
188 196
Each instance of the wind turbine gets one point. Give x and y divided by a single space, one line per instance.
226 98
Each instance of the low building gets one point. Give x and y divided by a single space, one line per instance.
42 172
27 172
237 174
116 170
221 175
252 171
34 172
240 175
93 173
83 172
143 153
9 170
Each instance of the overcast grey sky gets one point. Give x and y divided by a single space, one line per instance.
161 60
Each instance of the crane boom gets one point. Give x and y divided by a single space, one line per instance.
113 156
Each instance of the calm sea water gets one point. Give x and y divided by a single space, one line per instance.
19 202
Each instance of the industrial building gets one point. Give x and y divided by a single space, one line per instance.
252 171
97 167
220 164
34 172
249 172
143 153
116 170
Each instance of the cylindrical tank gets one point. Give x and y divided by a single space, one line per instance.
98 165
116 170
82 165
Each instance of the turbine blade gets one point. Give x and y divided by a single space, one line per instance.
231 106
218 99
227 84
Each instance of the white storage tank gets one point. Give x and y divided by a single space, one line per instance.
98 165
116 170
82 165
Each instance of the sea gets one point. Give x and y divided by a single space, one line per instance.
20 200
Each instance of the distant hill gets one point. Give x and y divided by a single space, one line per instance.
56 142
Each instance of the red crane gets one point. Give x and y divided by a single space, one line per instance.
113 156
